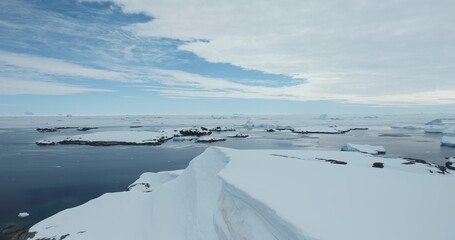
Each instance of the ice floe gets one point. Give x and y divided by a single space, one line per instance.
364 148
448 141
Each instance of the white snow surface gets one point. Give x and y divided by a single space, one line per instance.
364 148
148 181
272 194
408 126
448 141
436 128
324 129
449 130
121 136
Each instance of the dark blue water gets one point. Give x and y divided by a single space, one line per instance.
44 180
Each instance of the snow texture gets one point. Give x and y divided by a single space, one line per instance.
272 194
363 148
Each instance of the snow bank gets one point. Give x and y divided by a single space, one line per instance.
407 126
363 148
272 194
147 182
326 129
448 141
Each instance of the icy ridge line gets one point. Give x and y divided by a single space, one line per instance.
270 194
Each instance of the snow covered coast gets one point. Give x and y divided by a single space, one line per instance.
271 194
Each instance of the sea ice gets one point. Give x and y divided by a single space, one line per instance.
364 148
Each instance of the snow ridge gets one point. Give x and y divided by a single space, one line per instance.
271 194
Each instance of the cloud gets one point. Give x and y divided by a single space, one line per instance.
376 52
183 84
59 67
12 86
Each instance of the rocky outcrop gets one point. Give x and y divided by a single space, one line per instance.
238 135
153 142
210 140
13 232
53 129
45 143
221 129
198 132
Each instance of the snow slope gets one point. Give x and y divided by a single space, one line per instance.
272 194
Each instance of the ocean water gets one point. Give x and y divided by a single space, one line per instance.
44 180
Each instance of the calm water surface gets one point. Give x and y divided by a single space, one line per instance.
44 180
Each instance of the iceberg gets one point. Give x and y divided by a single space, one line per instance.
436 128
271 194
23 215
448 141
363 148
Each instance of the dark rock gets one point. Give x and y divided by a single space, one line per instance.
415 160
378 165
194 132
270 130
155 142
219 129
53 129
63 236
13 232
442 170
210 140
135 126
449 166
46 129
240 135
333 161
146 185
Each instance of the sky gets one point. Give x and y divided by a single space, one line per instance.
222 57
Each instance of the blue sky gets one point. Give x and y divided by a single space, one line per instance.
204 57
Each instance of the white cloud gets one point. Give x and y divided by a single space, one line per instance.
60 67
183 84
12 86
377 52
